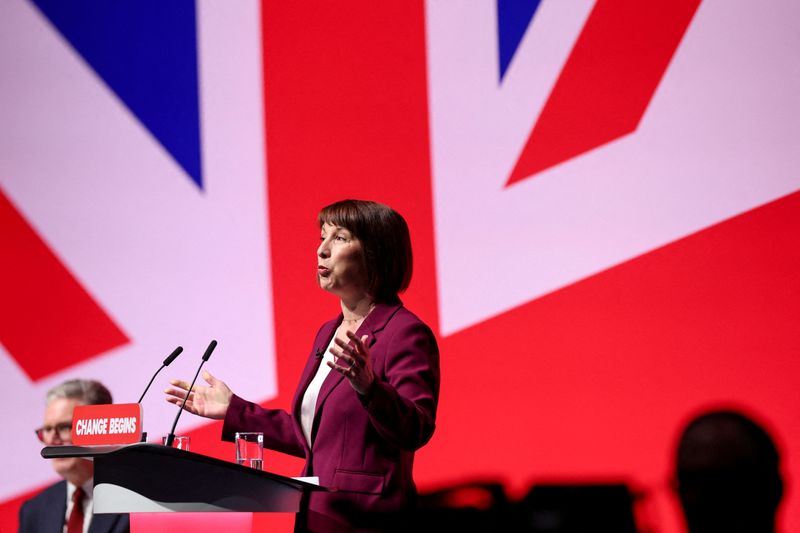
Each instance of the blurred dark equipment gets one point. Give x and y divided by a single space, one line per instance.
471 506
578 509
483 507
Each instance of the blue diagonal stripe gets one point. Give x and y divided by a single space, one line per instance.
513 18
146 51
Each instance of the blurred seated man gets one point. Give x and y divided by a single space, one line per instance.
728 476
66 507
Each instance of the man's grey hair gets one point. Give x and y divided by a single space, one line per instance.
86 391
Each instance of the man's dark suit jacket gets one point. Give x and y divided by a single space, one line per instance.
45 513
363 447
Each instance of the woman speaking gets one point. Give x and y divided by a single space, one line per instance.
363 408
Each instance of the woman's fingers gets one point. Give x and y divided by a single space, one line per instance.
176 397
357 342
345 347
354 344
177 393
356 355
210 379
346 371
189 406
210 400
179 383
342 355
355 348
353 361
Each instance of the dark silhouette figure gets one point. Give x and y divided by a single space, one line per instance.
728 476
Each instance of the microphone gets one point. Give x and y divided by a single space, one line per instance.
171 436
207 355
170 358
319 354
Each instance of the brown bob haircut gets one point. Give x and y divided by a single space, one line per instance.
384 237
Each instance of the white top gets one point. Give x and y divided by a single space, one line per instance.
309 405
88 504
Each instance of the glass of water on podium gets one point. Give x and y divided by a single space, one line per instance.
250 449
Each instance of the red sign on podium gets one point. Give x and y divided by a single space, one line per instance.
107 424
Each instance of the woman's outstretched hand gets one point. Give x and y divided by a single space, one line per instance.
210 401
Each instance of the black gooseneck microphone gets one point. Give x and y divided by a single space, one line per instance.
170 358
171 436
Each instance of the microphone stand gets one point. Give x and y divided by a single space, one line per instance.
171 436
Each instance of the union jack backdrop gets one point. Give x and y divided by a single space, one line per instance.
604 199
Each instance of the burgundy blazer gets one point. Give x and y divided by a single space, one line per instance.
363 447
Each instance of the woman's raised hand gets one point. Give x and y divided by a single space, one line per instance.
358 367
210 401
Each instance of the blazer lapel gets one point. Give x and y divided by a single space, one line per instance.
373 324
378 319
56 508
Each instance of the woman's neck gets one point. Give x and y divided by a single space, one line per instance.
357 310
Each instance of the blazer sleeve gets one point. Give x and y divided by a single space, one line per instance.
276 425
402 402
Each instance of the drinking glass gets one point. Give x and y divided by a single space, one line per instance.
180 441
250 449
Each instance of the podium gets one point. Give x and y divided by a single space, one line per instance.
150 478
